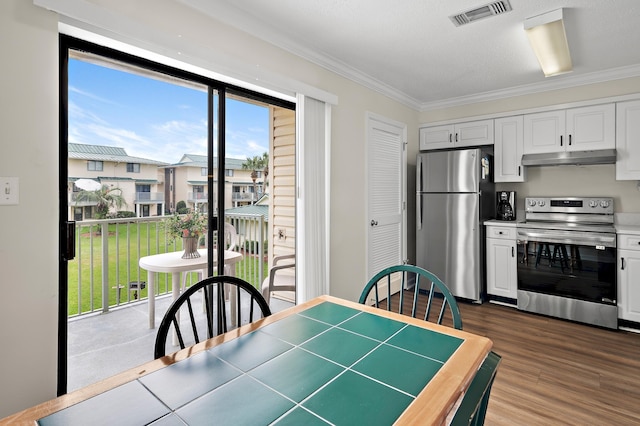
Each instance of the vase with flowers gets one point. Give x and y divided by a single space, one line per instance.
189 227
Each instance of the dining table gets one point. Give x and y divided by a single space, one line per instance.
324 361
173 263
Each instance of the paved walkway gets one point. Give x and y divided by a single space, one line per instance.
102 345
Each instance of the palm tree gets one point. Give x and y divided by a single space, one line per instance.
254 164
105 198
265 159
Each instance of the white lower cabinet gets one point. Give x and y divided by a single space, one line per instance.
629 277
502 266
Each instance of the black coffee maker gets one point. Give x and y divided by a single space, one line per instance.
506 205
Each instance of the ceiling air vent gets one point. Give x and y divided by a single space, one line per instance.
486 11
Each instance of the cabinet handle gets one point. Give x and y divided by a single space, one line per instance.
513 252
569 139
560 140
456 137
450 137
519 168
622 263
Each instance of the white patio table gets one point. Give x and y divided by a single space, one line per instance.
174 263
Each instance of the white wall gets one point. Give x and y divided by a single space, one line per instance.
29 240
29 130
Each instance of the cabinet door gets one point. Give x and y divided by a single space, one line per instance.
436 137
474 133
629 285
627 137
591 128
509 144
544 132
501 268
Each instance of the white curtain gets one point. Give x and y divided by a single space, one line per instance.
313 120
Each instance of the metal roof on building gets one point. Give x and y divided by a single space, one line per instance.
254 209
81 151
196 160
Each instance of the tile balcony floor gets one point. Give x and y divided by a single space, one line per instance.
102 345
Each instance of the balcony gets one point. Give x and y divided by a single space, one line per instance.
197 197
108 323
101 346
149 198
243 197
108 250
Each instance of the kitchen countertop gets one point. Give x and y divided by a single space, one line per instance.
496 222
627 223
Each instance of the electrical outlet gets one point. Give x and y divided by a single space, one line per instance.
9 191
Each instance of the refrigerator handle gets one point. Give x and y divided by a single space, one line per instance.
419 190
419 174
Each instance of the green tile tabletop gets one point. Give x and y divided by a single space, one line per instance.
326 361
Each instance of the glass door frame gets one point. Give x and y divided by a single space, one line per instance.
217 92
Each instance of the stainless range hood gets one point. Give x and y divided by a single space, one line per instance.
601 156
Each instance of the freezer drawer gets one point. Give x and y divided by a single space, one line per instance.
448 241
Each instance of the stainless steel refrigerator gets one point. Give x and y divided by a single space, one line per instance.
455 194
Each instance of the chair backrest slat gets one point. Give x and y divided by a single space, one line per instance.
422 280
245 302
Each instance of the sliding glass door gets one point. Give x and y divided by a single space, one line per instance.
141 143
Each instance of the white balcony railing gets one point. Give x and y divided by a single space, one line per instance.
105 271
149 197
200 197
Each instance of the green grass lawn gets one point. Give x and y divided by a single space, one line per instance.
123 254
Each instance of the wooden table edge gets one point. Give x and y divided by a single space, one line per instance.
472 343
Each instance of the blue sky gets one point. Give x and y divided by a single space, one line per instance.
154 119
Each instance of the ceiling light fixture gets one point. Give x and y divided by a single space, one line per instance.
549 41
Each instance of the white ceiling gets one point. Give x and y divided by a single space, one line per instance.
411 51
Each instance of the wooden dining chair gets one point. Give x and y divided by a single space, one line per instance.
410 281
473 408
215 315
413 281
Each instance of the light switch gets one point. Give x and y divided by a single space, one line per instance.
9 191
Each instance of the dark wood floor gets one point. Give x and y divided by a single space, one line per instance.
557 372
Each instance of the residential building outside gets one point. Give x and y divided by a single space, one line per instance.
140 179
187 181
151 187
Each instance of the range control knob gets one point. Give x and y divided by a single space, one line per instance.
541 203
532 202
593 203
604 204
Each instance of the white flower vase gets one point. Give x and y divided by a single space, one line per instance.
190 245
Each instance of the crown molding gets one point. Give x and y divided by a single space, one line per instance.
544 86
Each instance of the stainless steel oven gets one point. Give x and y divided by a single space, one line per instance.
567 259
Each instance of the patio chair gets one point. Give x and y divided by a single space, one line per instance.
277 279
410 281
230 243
244 305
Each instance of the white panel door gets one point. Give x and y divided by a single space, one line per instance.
508 149
592 127
627 137
544 132
386 193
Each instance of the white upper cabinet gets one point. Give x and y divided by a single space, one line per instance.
574 129
627 140
508 149
473 133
